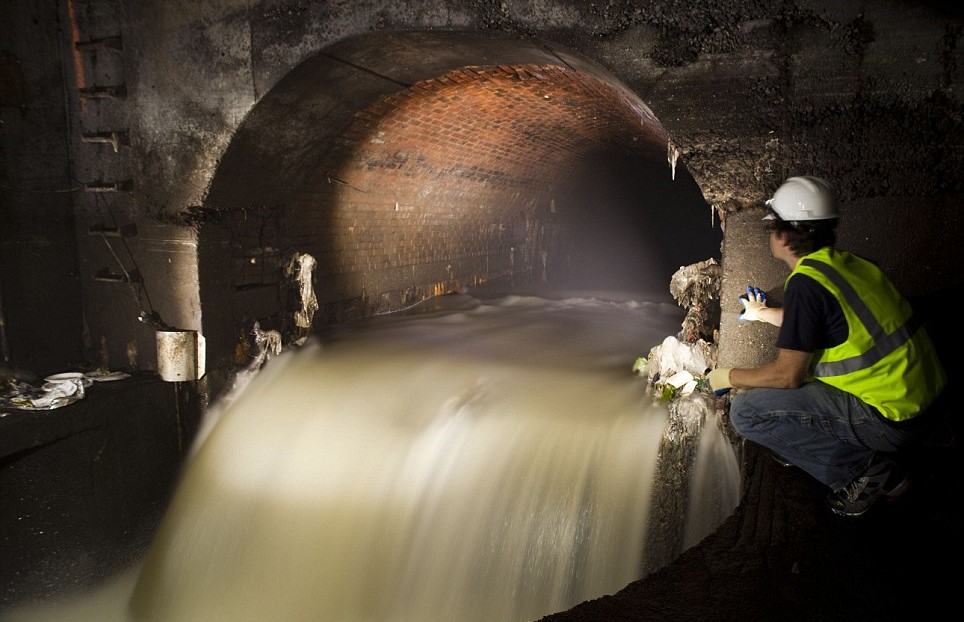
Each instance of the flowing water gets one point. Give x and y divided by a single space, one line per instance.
471 460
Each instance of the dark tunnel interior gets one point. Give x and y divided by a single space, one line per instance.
653 225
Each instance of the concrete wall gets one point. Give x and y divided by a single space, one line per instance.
149 98
152 157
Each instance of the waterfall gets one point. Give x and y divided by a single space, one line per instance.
488 460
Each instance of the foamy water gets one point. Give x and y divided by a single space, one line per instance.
480 460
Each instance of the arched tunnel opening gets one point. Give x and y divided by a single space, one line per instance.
423 163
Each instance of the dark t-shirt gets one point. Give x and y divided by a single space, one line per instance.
812 317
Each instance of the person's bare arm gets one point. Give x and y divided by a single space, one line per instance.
771 315
788 371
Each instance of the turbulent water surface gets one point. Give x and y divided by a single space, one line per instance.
471 460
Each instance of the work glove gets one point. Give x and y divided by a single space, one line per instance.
754 301
719 380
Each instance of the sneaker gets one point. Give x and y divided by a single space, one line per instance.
781 460
880 480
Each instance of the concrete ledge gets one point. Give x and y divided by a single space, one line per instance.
82 487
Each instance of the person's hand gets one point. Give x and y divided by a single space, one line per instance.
719 380
753 302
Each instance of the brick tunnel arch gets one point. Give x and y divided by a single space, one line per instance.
413 164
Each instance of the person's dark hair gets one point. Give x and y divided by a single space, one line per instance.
807 236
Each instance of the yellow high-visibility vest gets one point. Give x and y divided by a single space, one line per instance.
888 359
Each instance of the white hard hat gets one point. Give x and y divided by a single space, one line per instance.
803 198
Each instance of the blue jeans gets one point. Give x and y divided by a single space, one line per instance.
830 434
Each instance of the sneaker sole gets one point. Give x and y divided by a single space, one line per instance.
890 496
899 490
846 514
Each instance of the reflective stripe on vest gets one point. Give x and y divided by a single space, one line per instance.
884 344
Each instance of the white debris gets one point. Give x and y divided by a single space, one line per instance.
52 395
673 356
683 381
672 155
300 269
695 287
696 284
688 415
269 344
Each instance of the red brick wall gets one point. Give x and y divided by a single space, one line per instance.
449 183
